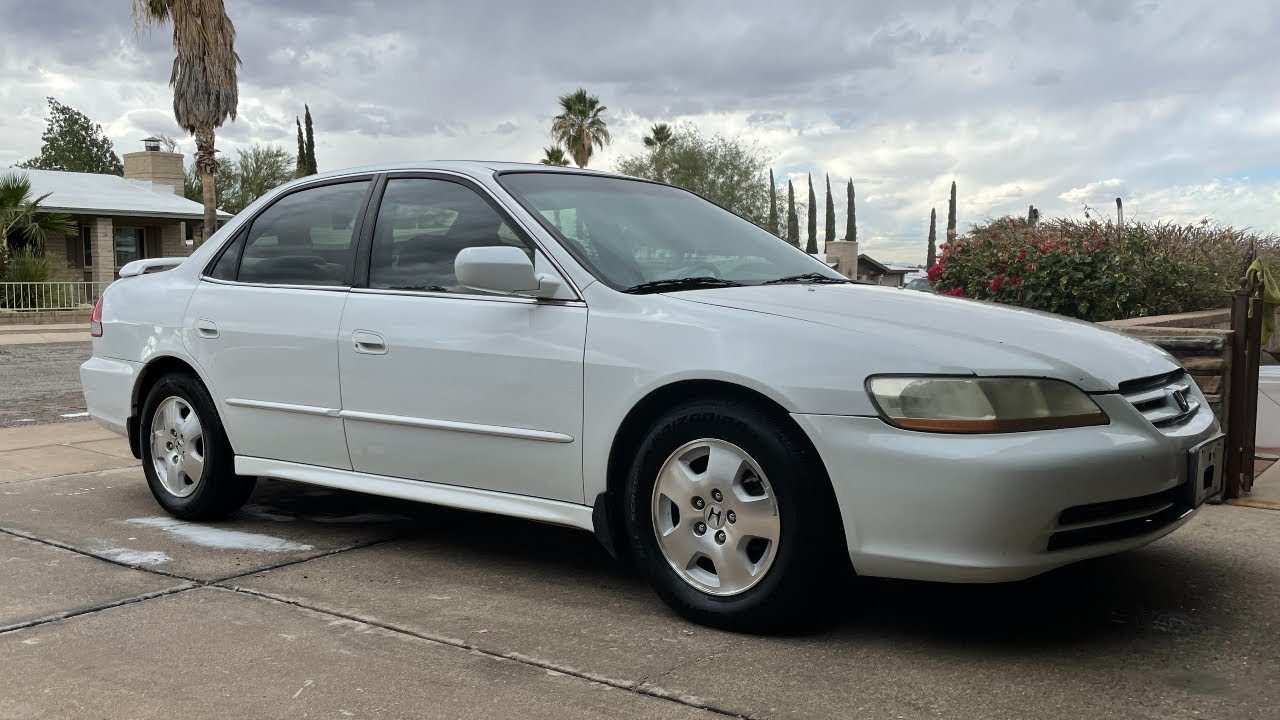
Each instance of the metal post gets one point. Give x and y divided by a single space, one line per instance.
1235 393
1249 429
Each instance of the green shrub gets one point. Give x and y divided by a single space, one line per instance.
27 266
1089 270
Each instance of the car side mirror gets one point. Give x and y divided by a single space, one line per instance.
502 269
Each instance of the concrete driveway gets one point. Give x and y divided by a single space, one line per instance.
313 603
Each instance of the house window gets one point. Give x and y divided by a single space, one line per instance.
129 245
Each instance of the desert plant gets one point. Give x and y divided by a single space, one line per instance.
22 221
27 265
831 215
580 127
554 156
773 207
793 222
951 214
309 140
931 254
811 246
205 88
851 218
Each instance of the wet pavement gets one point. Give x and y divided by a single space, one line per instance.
319 603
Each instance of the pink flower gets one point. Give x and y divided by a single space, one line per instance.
995 284
956 292
1022 254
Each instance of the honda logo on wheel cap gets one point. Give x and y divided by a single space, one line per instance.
714 517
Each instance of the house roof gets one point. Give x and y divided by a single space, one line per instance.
879 266
90 193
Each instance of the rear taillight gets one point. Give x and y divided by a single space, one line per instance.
95 321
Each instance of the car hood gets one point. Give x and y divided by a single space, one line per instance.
920 332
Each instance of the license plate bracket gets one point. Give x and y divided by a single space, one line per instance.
1205 468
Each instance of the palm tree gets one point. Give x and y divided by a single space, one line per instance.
21 215
554 157
659 135
658 141
579 127
205 90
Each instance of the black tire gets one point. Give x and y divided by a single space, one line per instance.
811 559
219 490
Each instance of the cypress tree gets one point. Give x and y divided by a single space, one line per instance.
302 150
931 258
793 223
831 214
773 206
851 219
311 144
951 214
1033 216
812 245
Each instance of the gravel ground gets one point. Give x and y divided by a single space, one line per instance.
41 383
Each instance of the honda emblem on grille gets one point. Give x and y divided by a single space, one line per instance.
1179 396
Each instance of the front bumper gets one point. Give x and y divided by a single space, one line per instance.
990 508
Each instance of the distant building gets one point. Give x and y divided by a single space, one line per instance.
118 219
871 270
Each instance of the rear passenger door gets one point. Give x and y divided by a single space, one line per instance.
263 324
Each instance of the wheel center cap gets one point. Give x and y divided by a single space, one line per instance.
714 517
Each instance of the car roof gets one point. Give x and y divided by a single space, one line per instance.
476 168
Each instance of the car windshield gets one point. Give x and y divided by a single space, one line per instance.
630 233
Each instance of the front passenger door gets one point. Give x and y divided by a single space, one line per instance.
450 385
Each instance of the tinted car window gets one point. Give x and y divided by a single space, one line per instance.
305 238
225 268
422 225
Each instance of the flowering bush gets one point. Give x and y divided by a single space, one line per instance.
1090 271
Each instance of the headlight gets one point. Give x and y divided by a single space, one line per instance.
982 405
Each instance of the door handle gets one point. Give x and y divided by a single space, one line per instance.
369 343
206 329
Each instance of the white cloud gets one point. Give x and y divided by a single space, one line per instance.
1031 102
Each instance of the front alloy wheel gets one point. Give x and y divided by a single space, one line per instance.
730 514
715 517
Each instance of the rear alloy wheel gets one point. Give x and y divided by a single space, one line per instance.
177 446
732 518
187 458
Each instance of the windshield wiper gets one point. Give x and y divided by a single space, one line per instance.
807 277
689 283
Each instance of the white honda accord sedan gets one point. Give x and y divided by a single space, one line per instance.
627 358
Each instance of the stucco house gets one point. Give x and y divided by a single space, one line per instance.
119 219
871 270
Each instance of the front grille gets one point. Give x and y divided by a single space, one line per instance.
1157 398
1119 519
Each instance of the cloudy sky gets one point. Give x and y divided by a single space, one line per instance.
1172 104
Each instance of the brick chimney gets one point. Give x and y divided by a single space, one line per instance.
845 255
161 168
